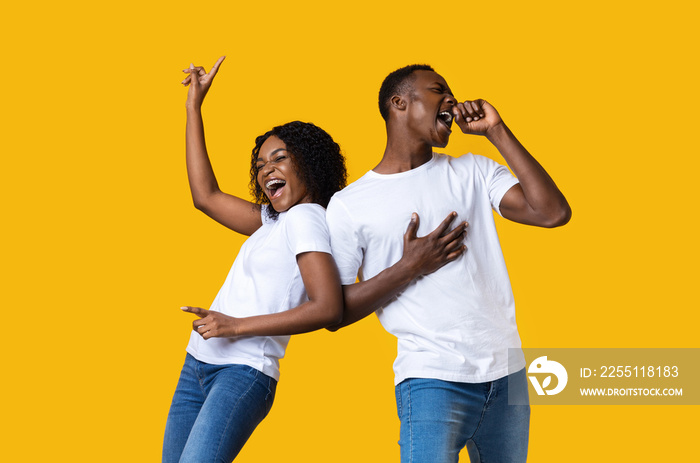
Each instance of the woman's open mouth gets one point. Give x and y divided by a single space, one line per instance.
274 188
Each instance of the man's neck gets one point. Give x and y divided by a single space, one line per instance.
403 154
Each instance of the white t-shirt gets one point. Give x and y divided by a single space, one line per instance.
457 323
265 279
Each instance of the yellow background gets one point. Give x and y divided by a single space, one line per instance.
101 244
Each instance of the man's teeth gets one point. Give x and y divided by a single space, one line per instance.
446 116
275 183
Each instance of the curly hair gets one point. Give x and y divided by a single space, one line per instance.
316 158
396 83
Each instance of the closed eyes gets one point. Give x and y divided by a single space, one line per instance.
275 160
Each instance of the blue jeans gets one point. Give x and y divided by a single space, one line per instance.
439 418
214 411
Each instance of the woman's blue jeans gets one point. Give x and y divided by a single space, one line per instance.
440 418
214 411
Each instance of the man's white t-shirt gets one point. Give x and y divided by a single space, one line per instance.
457 323
265 279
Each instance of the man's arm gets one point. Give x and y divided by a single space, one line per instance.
536 200
420 256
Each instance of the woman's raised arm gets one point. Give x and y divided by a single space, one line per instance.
235 213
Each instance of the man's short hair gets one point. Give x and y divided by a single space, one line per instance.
396 83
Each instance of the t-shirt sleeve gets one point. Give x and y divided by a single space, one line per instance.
307 230
498 179
347 250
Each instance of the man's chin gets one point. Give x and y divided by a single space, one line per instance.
442 142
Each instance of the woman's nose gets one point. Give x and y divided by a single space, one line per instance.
266 168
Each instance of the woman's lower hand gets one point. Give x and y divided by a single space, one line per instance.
211 324
427 254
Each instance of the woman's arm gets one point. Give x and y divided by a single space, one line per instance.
324 307
421 256
235 213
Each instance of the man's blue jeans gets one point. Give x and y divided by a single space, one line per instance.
214 411
440 418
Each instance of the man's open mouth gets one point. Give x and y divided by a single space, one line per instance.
446 118
274 188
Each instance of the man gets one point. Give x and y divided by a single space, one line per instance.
454 326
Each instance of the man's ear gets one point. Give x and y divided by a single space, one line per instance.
398 102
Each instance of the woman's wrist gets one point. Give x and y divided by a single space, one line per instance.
405 272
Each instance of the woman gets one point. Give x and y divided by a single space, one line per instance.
283 281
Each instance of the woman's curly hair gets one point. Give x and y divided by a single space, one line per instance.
315 156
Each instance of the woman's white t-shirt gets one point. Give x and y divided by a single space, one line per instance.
265 279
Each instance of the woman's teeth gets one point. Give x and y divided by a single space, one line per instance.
274 187
275 183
